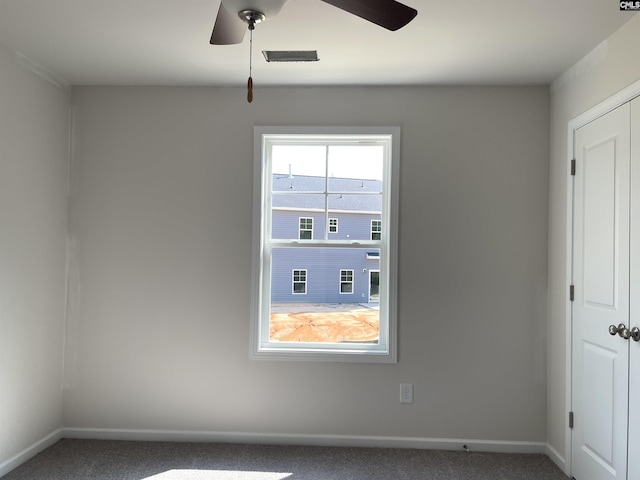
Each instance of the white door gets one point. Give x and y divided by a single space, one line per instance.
600 371
634 346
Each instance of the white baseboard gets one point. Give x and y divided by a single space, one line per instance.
31 451
281 439
558 459
311 440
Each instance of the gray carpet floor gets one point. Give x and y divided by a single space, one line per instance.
118 460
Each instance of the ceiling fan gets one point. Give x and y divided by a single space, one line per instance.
234 15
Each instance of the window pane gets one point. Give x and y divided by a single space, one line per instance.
346 275
323 271
326 314
352 167
285 218
320 323
298 183
353 185
355 202
354 213
299 168
297 201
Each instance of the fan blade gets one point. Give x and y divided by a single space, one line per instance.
389 14
228 29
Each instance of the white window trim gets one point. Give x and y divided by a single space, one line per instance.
293 281
335 219
389 262
346 281
300 229
378 222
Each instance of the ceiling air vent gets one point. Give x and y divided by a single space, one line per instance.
290 55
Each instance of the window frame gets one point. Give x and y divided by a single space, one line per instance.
346 272
378 223
294 281
333 222
308 220
385 350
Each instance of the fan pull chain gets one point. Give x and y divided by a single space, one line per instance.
250 81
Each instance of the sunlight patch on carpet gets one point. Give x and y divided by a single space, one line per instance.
191 474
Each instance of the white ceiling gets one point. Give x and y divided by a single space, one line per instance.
166 42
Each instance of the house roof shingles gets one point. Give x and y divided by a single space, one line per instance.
366 195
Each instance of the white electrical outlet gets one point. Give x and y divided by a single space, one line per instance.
406 393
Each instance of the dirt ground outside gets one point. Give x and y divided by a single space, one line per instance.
324 322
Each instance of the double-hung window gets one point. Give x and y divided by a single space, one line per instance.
306 228
299 281
376 229
346 281
319 293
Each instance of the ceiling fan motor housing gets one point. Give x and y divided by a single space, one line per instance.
251 17
268 8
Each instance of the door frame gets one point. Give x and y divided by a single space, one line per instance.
623 96
371 271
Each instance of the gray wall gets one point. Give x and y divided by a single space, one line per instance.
160 221
608 69
34 132
157 335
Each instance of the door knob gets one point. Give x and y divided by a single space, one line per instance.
621 330
635 334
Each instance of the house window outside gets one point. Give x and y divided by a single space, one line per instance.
299 282
306 229
376 229
314 176
346 281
